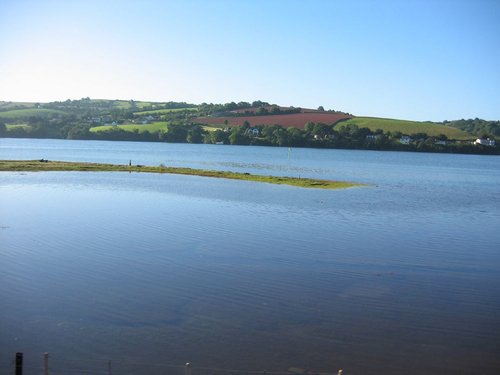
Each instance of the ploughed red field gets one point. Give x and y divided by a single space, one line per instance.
295 120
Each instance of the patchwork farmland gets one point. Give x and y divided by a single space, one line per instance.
295 120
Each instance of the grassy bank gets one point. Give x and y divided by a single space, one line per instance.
40 166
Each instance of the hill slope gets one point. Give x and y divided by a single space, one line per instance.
295 120
432 129
16 114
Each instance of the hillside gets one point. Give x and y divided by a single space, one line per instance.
295 120
24 113
432 129
243 123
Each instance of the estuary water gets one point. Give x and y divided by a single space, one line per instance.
401 276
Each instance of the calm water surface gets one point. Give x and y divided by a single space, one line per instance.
401 276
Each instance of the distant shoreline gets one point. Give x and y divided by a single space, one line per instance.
43 165
257 124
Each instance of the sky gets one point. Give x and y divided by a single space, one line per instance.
418 60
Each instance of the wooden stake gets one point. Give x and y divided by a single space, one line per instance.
45 363
19 363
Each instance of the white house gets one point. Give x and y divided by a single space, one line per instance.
372 137
485 142
405 139
253 132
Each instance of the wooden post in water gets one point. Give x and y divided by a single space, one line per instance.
45 363
109 367
19 363
187 369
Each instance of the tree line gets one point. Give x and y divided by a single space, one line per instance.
315 135
479 127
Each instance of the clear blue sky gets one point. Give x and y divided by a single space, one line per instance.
421 60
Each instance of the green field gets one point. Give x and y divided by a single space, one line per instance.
24 113
406 127
11 105
15 126
125 104
164 111
153 127
211 128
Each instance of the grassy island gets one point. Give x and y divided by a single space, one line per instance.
46 166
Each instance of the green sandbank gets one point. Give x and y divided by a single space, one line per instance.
63 166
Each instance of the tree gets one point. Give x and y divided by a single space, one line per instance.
234 136
321 130
238 136
442 137
420 136
3 128
216 136
394 135
259 103
176 133
310 126
78 132
320 108
279 136
230 106
363 132
261 111
244 105
295 137
195 134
